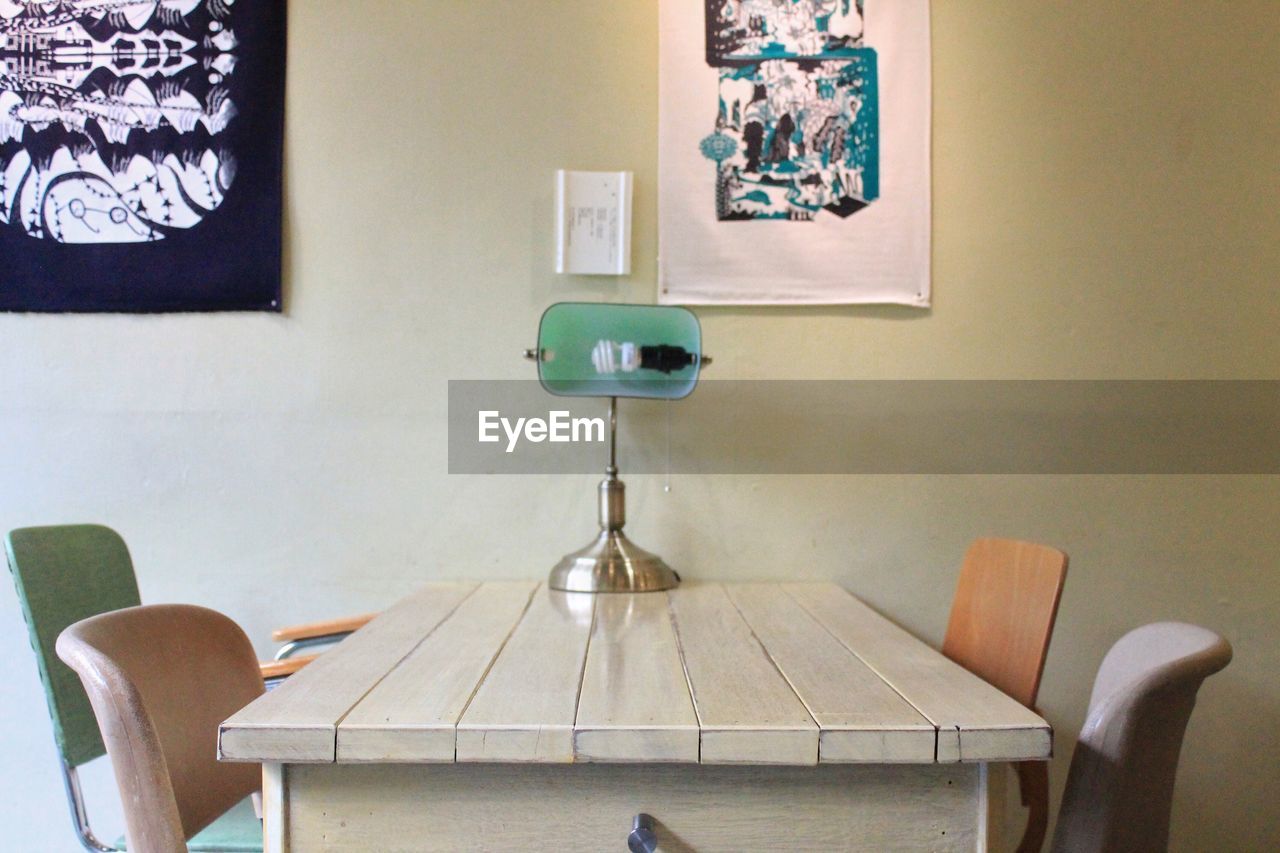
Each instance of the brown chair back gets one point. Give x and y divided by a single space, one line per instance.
1001 623
1120 788
160 679
1003 613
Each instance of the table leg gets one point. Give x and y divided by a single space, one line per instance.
993 783
274 822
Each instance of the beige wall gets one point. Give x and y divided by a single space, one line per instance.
1105 187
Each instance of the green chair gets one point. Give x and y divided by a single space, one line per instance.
63 575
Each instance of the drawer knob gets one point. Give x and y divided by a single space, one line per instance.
642 838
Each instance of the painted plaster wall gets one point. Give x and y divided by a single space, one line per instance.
1105 184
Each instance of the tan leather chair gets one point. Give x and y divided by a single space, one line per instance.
1001 623
160 679
66 573
1120 787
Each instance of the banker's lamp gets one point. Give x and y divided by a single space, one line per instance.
605 350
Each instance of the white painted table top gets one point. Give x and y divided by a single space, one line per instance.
760 673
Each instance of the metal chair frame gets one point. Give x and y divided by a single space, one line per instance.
292 647
80 814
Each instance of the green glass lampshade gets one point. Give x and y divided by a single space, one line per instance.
607 350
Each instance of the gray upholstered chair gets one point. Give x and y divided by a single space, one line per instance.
1120 787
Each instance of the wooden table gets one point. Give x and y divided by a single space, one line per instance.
504 716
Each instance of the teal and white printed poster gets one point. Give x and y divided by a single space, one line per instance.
794 160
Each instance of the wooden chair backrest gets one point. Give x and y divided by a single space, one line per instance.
1001 622
1003 613
161 678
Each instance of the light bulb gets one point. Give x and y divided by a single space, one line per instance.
611 357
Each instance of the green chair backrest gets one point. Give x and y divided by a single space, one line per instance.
65 574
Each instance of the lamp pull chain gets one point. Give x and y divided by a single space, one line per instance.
667 486
612 470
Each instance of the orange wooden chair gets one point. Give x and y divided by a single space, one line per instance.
313 634
1001 622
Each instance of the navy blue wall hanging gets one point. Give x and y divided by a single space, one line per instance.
141 154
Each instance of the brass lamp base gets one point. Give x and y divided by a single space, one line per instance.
612 563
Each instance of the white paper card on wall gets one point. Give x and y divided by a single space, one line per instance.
593 223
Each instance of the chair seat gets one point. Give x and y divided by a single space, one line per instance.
237 831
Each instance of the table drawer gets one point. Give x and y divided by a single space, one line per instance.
389 807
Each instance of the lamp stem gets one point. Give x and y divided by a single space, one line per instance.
612 470
613 492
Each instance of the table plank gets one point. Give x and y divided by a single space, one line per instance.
635 703
412 714
524 710
862 719
297 722
747 712
976 722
